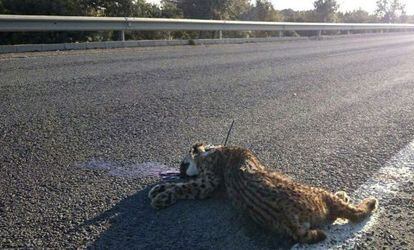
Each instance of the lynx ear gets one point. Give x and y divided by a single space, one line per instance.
198 148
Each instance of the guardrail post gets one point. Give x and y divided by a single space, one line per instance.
280 33
220 34
122 35
319 34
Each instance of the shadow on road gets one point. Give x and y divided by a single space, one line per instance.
207 224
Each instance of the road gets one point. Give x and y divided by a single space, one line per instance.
330 113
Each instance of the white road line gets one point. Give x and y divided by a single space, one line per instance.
384 185
140 170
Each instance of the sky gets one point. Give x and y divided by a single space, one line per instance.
346 5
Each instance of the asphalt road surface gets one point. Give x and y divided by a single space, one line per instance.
330 113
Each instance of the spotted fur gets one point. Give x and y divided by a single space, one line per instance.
270 198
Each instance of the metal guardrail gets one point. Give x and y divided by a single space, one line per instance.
14 23
21 23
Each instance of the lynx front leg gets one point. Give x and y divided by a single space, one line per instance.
157 189
164 199
199 188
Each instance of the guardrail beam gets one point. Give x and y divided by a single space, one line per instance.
15 23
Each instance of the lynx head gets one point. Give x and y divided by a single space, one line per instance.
189 166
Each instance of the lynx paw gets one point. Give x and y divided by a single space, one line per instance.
370 204
164 199
343 196
313 236
157 189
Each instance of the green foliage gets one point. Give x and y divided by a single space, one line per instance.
203 9
136 8
410 19
326 10
290 15
391 11
357 16
41 7
235 9
212 9
170 10
263 11
2 9
192 8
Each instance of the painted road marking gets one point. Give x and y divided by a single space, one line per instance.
140 170
384 185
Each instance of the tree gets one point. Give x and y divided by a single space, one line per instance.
2 9
263 10
41 7
136 8
391 11
326 10
212 9
235 9
170 10
357 16
290 15
410 19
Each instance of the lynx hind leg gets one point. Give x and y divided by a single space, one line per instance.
369 204
304 234
343 196
313 236
355 213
